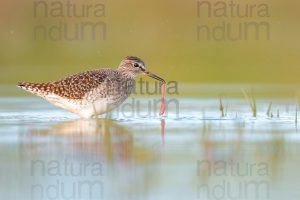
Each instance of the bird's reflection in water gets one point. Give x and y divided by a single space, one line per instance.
100 139
92 141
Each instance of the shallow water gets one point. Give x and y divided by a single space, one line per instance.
191 153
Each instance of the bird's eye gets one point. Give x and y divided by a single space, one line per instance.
136 65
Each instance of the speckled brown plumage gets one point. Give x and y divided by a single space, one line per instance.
72 87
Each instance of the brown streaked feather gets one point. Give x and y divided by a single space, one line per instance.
35 88
134 58
72 87
77 85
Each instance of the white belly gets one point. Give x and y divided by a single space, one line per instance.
84 109
99 107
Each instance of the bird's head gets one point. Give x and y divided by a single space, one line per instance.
133 66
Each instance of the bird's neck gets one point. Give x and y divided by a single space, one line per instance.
125 73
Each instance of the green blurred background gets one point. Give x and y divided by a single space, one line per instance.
163 33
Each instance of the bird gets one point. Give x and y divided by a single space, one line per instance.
94 92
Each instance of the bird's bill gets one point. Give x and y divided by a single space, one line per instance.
154 76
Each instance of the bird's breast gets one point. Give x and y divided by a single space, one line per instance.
113 92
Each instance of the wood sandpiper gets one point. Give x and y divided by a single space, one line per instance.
94 92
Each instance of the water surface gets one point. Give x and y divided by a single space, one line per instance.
191 153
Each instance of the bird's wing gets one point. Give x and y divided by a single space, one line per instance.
72 87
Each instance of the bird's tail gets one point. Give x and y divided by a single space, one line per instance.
39 89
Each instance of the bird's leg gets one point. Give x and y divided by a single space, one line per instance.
96 118
94 110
